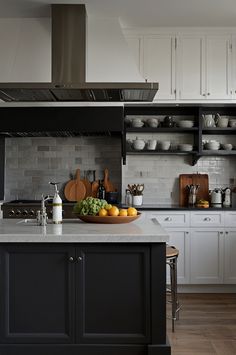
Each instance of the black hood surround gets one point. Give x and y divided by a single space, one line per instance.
69 69
61 121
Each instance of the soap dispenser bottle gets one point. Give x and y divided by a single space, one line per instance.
56 205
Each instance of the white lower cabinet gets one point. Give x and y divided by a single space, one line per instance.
206 256
206 241
230 256
180 238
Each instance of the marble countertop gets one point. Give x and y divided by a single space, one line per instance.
169 207
76 231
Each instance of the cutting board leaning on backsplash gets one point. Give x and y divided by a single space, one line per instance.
195 179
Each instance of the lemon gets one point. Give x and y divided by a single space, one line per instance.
132 211
102 212
123 212
113 211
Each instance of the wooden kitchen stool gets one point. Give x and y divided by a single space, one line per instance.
171 259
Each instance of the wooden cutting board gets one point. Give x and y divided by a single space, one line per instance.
107 183
78 190
87 184
195 179
75 190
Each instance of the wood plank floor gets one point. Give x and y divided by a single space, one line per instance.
207 325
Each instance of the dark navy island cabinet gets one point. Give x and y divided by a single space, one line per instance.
82 299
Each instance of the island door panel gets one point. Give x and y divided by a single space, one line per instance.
113 294
36 304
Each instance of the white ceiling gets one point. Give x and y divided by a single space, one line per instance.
137 13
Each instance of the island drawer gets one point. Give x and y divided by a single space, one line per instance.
207 219
170 219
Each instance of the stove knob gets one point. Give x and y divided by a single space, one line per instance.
32 213
24 213
11 213
18 213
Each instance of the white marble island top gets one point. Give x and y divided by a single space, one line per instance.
76 231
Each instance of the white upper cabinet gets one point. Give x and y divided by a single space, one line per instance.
135 46
191 67
233 67
218 67
204 67
159 64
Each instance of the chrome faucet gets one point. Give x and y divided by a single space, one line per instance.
42 214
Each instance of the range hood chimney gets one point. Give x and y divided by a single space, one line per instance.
69 68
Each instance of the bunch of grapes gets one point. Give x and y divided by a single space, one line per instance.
89 206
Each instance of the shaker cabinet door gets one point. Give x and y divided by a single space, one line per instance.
159 64
191 67
218 54
113 294
35 306
206 256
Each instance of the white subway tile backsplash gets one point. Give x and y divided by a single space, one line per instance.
32 162
160 174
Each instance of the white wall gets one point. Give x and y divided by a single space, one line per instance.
25 54
109 57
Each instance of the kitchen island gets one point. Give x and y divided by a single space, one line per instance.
83 289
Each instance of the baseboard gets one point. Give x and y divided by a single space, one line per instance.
207 288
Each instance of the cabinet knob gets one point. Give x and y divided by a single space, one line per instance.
203 94
80 258
187 232
207 219
208 94
221 232
226 232
168 219
71 259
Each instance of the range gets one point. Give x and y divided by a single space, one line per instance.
29 208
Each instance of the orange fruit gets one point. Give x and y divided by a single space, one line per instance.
123 212
132 211
113 211
102 212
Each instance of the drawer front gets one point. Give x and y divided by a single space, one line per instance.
230 219
207 219
172 219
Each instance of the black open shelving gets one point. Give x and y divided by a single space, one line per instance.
198 131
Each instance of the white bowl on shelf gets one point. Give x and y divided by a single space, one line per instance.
164 145
212 145
185 124
227 146
184 147
137 123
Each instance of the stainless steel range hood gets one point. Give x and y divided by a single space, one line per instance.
69 68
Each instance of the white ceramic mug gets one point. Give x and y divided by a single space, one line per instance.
151 144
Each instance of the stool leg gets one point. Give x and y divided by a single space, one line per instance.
173 297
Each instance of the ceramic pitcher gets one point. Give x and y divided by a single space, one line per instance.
208 121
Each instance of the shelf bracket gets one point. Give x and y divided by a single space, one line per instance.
195 159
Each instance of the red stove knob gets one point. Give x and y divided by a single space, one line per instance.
11 213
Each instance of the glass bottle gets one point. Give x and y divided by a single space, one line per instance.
101 190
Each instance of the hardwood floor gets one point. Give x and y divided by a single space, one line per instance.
206 326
